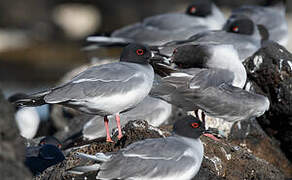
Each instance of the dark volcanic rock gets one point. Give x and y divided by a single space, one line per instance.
11 145
249 134
222 161
234 162
270 69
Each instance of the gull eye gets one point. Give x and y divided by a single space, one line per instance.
195 125
193 10
235 29
140 52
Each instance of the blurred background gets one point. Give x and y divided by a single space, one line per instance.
41 40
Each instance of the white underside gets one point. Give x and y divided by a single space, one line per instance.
163 116
28 121
119 102
226 57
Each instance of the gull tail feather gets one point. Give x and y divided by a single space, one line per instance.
84 169
100 157
97 157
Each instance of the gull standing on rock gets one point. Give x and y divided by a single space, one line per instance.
153 110
103 90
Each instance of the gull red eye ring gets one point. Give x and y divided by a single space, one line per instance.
140 52
193 9
195 125
235 29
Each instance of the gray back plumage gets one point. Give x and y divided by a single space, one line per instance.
160 29
97 81
154 158
246 45
210 90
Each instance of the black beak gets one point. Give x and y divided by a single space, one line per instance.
157 57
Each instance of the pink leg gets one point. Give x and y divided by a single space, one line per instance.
108 137
120 135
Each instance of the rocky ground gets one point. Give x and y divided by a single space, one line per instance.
222 160
255 157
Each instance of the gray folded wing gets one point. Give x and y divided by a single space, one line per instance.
169 92
151 158
161 29
231 103
246 45
174 21
179 87
97 81
210 90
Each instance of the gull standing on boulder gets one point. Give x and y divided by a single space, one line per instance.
103 90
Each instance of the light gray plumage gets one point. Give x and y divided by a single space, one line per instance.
244 43
153 110
163 28
210 90
107 84
175 157
164 158
208 55
272 17
102 90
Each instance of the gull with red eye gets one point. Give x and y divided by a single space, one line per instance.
239 31
105 90
272 16
193 10
195 125
140 52
178 156
51 140
209 77
235 29
199 16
